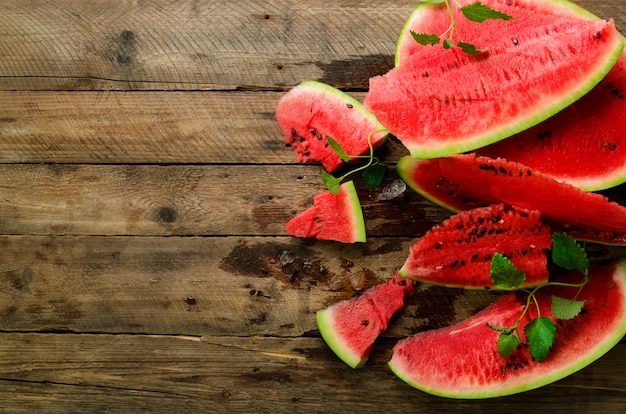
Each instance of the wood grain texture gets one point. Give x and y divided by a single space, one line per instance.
139 127
260 375
191 45
184 200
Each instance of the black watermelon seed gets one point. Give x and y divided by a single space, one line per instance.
350 106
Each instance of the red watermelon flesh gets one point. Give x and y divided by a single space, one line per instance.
350 327
311 111
435 18
589 153
584 145
465 181
331 217
432 361
458 252
442 102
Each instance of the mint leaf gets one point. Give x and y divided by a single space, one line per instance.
540 334
425 38
479 13
374 174
337 148
469 48
567 253
507 343
331 182
504 274
566 308
447 44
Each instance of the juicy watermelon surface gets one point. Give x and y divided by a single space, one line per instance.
458 253
432 360
460 182
350 327
331 217
589 153
308 113
442 101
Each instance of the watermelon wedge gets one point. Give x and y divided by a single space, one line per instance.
442 101
458 252
331 217
308 113
465 181
350 327
589 153
432 361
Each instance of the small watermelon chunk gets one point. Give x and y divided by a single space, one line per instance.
311 111
443 101
458 252
331 217
465 181
351 326
432 361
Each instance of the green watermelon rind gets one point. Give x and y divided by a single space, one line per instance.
610 341
404 167
324 320
354 206
534 118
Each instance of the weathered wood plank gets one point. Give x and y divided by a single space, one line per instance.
206 285
139 127
189 45
120 373
186 45
202 286
183 200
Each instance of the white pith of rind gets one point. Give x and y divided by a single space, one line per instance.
619 277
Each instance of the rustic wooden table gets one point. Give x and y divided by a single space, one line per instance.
144 188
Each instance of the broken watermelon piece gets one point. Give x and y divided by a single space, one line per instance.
350 327
462 361
458 252
311 111
589 153
466 181
442 101
331 217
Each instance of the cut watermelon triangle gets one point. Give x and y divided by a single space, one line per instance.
458 252
311 111
462 361
331 217
466 181
351 327
442 101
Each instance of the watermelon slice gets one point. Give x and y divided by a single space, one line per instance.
432 361
465 181
331 217
589 153
350 327
442 101
308 113
458 252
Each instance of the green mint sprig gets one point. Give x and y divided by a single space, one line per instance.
540 332
372 172
475 12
